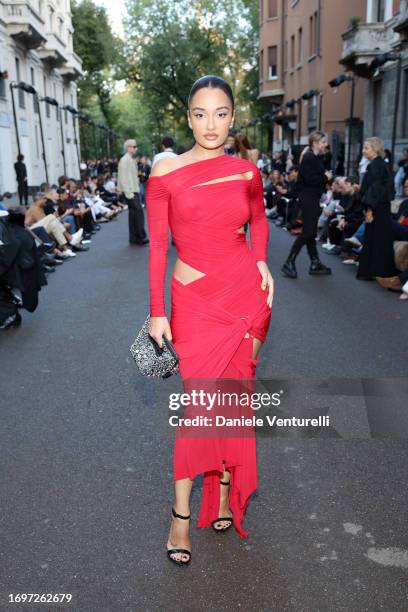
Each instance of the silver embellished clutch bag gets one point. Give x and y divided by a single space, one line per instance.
150 358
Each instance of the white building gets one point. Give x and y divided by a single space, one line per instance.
36 48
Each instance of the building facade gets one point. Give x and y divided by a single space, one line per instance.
36 48
300 47
383 31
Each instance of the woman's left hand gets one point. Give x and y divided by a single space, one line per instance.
267 281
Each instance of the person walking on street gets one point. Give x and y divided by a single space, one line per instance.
312 182
22 180
128 184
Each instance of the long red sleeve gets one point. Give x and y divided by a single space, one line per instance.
157 202
258 224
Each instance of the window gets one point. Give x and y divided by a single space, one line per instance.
272 9
300 47
405 107
63 104
272 62
37 146
377 99
21 99
292 52
55 97
261 65
2 88
313 35
35 99
312 113
51 18
47 106
380 10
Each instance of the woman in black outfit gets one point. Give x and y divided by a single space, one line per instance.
312 183
377 191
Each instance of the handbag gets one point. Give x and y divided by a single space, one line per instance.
150 358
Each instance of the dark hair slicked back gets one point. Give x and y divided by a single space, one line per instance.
212 81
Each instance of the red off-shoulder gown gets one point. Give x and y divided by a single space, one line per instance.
211 316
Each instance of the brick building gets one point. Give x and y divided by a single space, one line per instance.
300 48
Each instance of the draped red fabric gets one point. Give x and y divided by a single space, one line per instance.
212 316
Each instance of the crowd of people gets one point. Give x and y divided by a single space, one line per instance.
60 222
36 239
348 207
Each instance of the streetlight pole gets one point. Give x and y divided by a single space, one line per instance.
62 142
12 86
353 89
320 111
74 112
42 141
396 107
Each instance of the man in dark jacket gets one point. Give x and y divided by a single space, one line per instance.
21 176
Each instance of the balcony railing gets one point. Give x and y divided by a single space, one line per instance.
53 52
363 43
24 24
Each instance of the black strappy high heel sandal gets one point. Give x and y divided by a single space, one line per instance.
222 518
183 551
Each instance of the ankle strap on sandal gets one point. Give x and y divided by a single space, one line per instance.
224 483
174 513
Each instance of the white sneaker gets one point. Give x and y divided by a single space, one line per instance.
327 245
68 253
353 242
76 238
86 241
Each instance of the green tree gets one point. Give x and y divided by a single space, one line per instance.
99 51
173 42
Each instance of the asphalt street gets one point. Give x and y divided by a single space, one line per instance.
86 452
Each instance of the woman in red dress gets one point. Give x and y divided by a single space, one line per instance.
221 299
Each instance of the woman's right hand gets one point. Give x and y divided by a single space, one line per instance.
159 327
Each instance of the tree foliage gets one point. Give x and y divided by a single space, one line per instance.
171 43
99 51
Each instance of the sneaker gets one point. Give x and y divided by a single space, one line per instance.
76 238
327 245
334 249
68 253
86 241
350 262
353 242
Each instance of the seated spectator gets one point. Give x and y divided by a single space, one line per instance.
399 224
331 203
287 205
402 214
36 217
402 174
110 199
272 194
345 224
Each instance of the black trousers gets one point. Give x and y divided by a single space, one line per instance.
136 219
310 207
23 192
